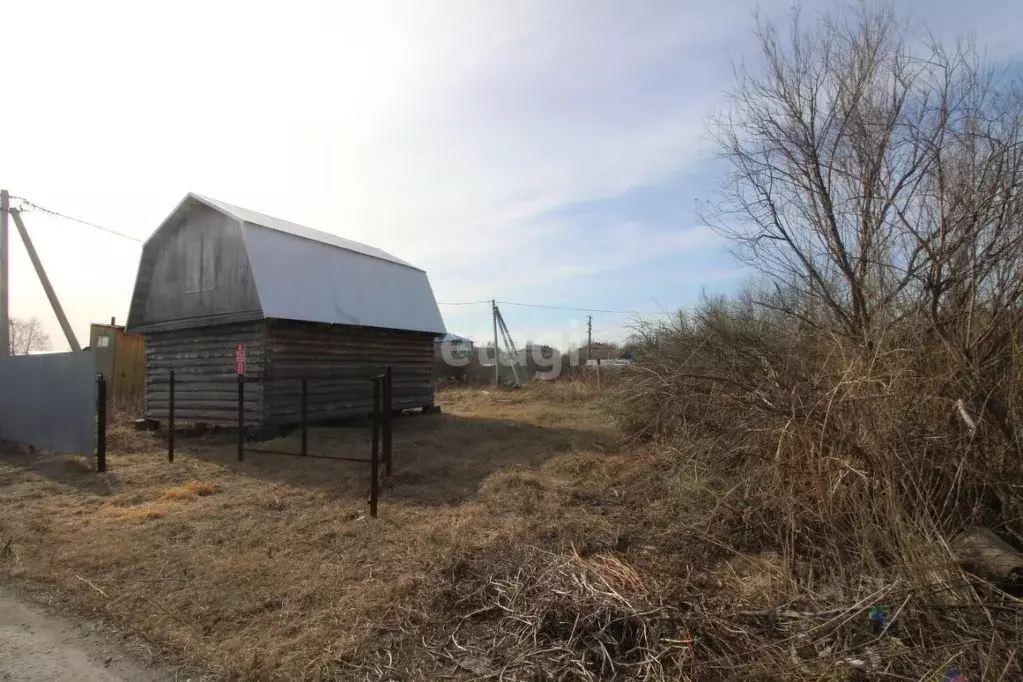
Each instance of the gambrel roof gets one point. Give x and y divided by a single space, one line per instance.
307 275
246 216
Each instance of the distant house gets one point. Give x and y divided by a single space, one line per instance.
604 351
458 346
613 362
451 356
221 287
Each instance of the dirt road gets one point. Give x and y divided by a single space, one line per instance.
37 647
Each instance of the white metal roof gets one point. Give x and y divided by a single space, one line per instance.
454 338
306 275
247 216
301 279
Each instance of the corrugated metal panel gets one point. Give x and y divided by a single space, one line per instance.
247 216
49 401
300 280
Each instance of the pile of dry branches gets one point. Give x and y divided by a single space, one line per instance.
561 616
554 616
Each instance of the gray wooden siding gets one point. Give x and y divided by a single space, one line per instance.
206 386
196 269
337 362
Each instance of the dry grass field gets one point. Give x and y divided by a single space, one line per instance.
271 569
521 537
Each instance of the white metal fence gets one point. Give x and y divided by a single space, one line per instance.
49 401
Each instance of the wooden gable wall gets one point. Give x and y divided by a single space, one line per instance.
196 268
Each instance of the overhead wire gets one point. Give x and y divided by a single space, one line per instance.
31 205
561 307
586 310
612 334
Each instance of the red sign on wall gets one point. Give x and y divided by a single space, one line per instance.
239 359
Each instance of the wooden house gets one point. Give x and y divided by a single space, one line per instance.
452 345
121 358
221 288
452 354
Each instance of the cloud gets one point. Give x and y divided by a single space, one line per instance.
512 149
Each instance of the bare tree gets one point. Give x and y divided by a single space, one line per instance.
876 178
862 169
28 336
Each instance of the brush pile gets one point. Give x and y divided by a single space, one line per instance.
562 616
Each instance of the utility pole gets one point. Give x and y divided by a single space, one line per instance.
513 352
589 336
45 281
5 313
497 365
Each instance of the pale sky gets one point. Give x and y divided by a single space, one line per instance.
538 151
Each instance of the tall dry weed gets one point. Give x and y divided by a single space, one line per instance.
857 465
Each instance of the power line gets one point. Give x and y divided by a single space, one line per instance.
586 310
25 203
612 333
561 307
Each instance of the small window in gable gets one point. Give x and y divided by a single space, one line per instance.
201 267
193 265
209 265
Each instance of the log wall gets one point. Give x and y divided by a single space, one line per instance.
337 362
206 386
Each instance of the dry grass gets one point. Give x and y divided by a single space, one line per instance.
518 539
190 491
844 482
280 574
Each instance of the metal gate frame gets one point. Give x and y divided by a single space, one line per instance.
382 434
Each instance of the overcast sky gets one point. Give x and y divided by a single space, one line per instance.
547 152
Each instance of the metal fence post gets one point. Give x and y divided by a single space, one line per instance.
374 462
241 417
305 417
101 423
170 419
388 401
